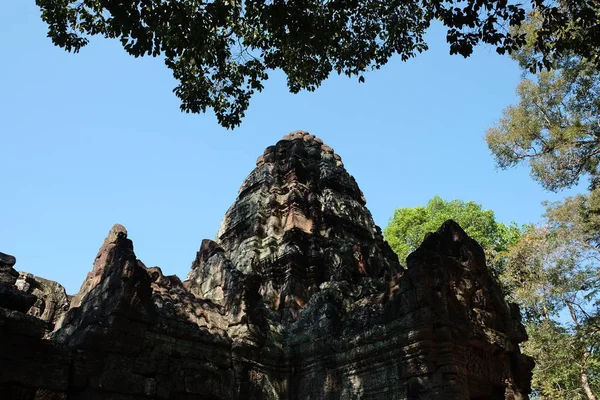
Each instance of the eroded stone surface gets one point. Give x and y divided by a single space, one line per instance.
51 302
10 296
300 221
299 298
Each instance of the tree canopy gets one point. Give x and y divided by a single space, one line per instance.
553 270
408 227
553 273
550 270
220 51
564 28
555 127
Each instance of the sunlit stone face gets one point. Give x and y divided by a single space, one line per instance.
300 220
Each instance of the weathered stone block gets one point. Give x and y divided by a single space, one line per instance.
298 298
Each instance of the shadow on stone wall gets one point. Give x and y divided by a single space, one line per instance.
301 298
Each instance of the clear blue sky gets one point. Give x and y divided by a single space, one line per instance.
97 138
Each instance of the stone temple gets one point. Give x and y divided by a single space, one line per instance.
299 298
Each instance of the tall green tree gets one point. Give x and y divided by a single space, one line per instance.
558 356
220 51
555 127
408 226
552 272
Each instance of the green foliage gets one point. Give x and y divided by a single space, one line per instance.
557 372
580 216
550 270
553 273
565 28
408 226
220 51
555 127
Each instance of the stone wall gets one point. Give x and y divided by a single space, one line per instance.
300 297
